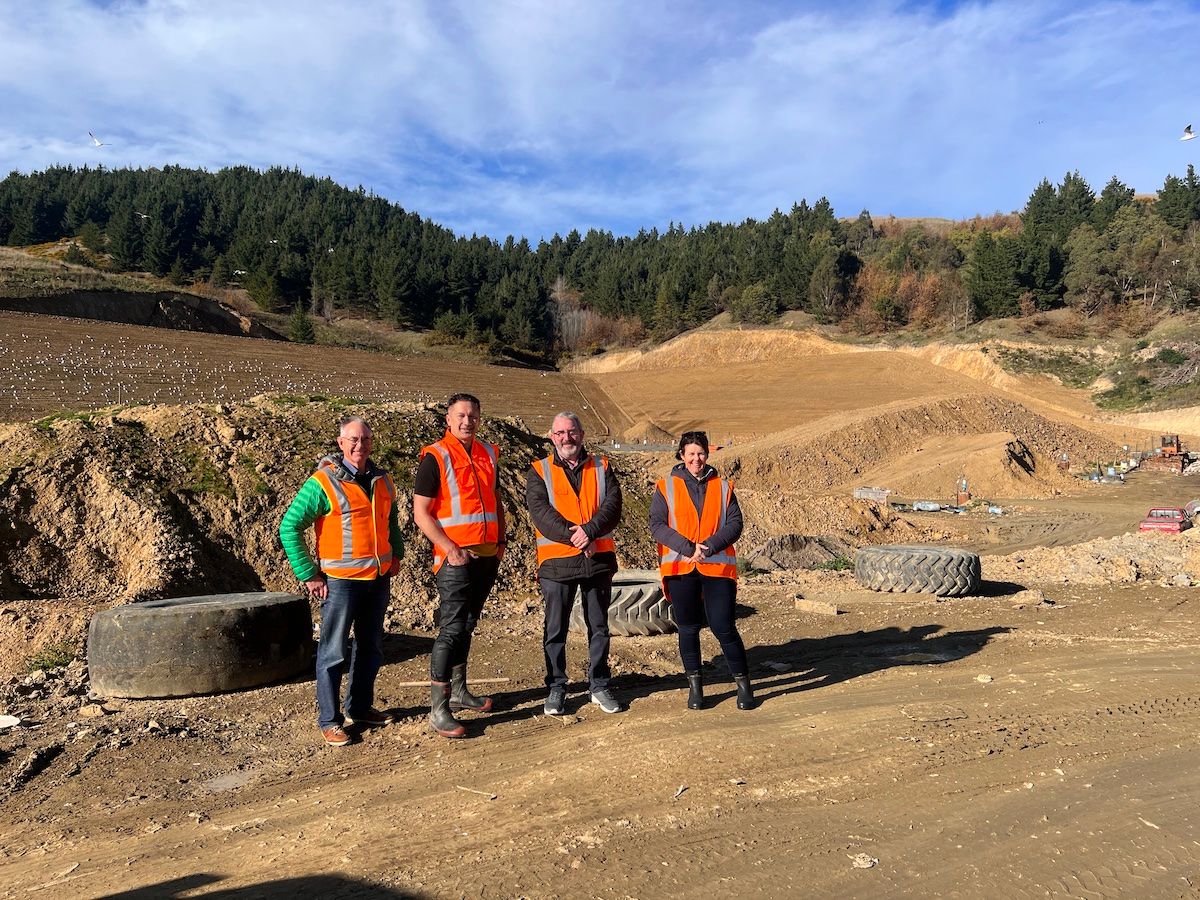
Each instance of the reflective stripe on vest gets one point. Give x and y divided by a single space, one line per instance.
467 513
697 528
575 509
352 538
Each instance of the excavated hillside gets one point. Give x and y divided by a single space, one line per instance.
167 501
160 501
921 449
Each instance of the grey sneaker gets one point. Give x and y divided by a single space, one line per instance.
556 701
605 700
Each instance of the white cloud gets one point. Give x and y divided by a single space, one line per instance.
534 117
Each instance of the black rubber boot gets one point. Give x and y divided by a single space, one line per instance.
695 690
440 718
745 692
460 697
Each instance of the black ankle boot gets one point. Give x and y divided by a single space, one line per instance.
695 690
440 718
460 697
745 692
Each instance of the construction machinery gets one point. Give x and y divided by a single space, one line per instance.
1168 445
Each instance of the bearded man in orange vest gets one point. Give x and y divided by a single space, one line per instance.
352 502
574 500
456 504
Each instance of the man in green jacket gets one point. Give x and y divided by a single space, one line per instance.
352 504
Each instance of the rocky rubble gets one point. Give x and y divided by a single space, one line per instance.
1166 559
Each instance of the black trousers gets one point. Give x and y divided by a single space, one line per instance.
692 597
463 590
596 597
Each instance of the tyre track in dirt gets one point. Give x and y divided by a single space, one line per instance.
943 779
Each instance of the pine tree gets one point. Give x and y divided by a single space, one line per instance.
301 329
991 279
221 273
124 240
1179 200
75 256
1114 196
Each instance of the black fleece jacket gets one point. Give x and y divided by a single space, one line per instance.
697 487
554 526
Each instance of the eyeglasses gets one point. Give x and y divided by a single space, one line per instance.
357 440
573 432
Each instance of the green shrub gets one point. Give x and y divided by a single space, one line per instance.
837 564
75 256
52 656
1170 357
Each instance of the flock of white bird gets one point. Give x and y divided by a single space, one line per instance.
75 371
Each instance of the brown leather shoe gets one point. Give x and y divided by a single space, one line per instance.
335 736
370 716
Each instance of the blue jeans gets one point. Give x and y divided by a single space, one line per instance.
361 604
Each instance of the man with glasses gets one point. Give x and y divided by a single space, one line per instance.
352 504
574 500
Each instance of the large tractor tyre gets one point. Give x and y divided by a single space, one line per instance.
638 606
199 645
946 572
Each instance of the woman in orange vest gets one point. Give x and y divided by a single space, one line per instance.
695 518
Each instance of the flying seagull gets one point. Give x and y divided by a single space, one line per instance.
99 143
142 215
1188 134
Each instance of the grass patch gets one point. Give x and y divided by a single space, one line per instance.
46 423
259 484
837 564
53 656
1076 370
202 475
1131 391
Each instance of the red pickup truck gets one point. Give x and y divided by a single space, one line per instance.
1172 519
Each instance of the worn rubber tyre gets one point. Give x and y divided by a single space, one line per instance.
199 645
943 571
638 606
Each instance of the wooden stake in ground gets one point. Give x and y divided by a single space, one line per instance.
490 796
472 681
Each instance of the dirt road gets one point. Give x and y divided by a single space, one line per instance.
993 746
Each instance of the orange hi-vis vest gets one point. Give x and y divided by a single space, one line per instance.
576 509
465 505
352 538
681 516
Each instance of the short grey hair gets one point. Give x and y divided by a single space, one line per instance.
567 414
352 420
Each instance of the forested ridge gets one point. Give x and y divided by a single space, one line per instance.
298 242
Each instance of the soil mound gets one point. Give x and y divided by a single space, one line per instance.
183 312
769 513
1005 449
167 501
798 551
1168 559
646 432
700 349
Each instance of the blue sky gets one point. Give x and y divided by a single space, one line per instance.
531 118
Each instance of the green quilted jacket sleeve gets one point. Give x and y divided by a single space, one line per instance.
395 535
309 505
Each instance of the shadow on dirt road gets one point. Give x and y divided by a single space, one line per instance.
329 886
